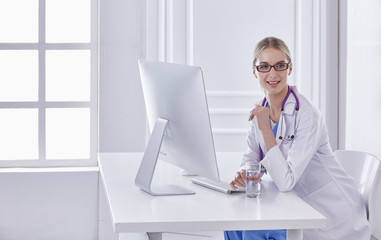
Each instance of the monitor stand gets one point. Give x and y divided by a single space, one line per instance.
147 167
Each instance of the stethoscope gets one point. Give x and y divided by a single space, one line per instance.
289 137
292 136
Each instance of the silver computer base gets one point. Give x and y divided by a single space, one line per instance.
147 167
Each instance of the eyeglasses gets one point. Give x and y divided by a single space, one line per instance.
267 67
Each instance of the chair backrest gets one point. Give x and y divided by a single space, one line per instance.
366 170
374 209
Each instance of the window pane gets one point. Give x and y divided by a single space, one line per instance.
67 20
18 21
68 133
18 134
19 75
68 75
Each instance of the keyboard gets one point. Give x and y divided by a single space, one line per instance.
220 186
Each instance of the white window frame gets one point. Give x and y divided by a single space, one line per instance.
41 46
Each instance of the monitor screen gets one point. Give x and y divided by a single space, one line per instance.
178 117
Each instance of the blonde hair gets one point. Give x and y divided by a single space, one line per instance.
271 42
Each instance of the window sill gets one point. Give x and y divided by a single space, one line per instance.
49 169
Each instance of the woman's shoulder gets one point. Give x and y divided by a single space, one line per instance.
306 106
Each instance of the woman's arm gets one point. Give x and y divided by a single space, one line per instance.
287 168
263 115
308 136
252 155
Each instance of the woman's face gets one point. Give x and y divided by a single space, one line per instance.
272 82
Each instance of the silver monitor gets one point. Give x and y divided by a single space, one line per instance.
179 121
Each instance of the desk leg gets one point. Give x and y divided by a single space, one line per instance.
294 234
155 236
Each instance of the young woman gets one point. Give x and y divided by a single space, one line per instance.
288 135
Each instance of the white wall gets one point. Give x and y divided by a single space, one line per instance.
316 63
63 205
57 205
122 119
362 98
220 36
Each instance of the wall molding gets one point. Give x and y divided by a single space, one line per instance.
342 118
234 93
317 58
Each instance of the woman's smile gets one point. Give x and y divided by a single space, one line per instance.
273 83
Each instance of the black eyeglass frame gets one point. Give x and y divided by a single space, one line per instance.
272 66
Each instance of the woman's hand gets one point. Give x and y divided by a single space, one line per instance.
240 179
263 115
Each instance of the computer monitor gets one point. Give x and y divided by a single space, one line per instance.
178 117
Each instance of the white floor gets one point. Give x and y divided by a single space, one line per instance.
182 236
176 236
194 236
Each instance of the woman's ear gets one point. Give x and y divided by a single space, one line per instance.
290 69
255 74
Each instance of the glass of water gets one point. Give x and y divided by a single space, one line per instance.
253 175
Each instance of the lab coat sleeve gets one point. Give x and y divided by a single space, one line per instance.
310 130
252 152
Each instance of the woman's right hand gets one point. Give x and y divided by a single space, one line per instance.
239 180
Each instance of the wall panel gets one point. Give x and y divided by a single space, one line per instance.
219 36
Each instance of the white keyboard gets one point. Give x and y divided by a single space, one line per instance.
220 186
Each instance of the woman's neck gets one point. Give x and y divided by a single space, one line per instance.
275 103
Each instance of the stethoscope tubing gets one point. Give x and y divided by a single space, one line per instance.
289 138
285 100
290 91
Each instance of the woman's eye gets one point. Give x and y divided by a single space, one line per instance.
263 67
280 65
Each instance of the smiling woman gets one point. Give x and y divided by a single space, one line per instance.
304 162
271 66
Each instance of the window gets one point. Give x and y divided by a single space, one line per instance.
48 82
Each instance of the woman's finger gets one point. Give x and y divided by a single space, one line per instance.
240 178
252 112
233 185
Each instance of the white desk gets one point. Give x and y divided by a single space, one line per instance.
133 210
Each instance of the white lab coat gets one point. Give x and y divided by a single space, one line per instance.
307 166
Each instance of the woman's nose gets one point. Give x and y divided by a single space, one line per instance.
272 72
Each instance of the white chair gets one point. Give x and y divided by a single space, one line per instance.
374 209
366 170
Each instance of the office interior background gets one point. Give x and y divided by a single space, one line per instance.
49 193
